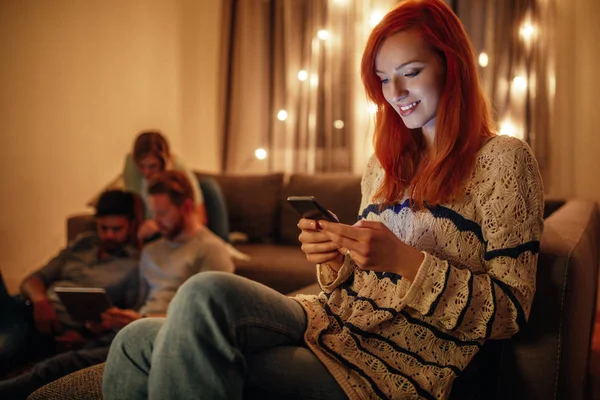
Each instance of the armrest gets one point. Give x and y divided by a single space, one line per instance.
79 223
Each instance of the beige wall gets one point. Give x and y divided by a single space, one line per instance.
79 79
575 137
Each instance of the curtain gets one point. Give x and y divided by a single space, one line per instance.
293 84
518 72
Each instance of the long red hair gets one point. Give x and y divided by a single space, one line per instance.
462 117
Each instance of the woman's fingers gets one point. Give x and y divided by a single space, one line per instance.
325 247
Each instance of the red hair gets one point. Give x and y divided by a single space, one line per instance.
462 117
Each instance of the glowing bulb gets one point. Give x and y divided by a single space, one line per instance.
260 153
314 80
508 129
376 17
520 83
323 34
372 108
338 124
483 59
282 115
527 31
302 75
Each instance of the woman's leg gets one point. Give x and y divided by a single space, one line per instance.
128 363
290 373
214 322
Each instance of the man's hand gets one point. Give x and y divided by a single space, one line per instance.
147 229
45 317
117 318
70 340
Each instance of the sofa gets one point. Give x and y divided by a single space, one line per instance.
255 207
548 359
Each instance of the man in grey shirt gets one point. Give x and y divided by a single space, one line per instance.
185 248
107 258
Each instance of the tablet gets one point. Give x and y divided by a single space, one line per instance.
82 303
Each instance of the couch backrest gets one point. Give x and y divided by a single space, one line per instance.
257 204
548 359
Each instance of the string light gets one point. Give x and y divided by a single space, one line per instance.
483 59
507 128
314 80
282 115
527 31
260 153
323 34
338 124
376 17
520 83
302 75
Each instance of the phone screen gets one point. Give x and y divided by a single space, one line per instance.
309 207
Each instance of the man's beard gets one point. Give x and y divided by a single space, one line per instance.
111 247
174 231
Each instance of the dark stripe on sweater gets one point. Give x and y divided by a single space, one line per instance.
513 252
351 366
422 392
362 333
374 208
490 323
394 278
439 296
437 333
506 289
462 224
461 316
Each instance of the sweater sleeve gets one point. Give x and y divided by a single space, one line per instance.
496 303
327 277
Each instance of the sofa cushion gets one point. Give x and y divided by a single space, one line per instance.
252 203
283 268
339 193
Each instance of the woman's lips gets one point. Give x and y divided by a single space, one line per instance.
407 109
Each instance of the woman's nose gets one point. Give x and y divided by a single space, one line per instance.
399 91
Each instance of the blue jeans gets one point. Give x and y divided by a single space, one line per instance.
225 337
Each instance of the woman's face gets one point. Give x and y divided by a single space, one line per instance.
149 166
412 78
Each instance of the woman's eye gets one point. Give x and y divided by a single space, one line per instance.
412 74
385 81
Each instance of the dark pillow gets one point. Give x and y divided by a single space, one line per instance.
252 203
337 192
216 208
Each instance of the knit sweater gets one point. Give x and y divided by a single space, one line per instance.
382 336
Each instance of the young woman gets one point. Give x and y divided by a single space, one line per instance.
150 156
442 259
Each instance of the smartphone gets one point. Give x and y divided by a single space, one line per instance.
309 207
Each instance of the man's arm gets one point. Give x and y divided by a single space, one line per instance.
34 289
44 315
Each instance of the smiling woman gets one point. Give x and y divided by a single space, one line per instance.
412 79
442 260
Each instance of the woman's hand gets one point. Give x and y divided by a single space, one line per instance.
317 246
147 229
374 247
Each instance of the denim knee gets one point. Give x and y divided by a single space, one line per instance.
138 334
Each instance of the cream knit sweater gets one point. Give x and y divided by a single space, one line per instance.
382 336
